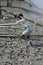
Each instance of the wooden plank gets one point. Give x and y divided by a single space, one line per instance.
18 35
7 24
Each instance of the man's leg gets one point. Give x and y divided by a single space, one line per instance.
22 36
31 43
28 36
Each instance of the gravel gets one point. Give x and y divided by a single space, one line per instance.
13 52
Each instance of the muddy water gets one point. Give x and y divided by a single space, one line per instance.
37 5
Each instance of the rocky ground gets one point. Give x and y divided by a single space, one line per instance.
20 52
16 51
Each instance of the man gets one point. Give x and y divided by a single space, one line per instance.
27 29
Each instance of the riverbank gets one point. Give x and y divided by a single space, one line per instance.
28 12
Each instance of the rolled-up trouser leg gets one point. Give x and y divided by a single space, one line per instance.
27 31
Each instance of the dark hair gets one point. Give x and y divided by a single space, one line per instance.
20 15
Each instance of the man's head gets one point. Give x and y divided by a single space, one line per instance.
19 16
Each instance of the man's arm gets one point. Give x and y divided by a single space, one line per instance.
19 21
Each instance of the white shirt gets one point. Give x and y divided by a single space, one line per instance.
22 22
